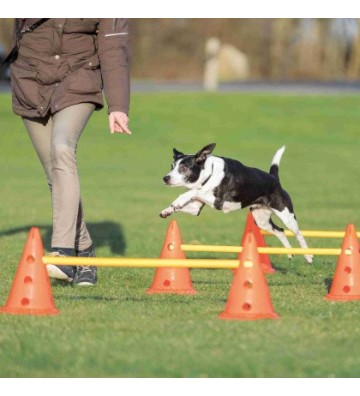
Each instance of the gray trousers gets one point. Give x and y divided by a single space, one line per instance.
55 140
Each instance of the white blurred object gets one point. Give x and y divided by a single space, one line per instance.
223 62
233 64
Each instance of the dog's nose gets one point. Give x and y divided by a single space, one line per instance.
166 178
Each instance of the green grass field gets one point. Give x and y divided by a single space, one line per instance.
115 329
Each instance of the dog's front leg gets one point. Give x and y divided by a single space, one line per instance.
178 204
207 197
194 207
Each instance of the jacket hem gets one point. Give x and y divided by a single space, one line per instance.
35 113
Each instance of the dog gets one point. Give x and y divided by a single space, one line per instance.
227 184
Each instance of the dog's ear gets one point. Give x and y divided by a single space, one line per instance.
204 152
177 154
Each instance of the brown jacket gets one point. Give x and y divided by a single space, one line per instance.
69 61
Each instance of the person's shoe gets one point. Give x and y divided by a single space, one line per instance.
61 272
87 275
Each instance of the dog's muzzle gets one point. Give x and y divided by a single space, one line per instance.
166 179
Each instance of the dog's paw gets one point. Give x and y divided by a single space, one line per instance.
166 212
309 258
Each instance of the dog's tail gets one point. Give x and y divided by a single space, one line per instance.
274 168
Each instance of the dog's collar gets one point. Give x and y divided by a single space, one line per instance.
207 179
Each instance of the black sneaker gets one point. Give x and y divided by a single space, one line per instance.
87 275
61 272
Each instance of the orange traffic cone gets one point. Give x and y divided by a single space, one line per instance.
346 282
172 280
260 242
249 296
31 290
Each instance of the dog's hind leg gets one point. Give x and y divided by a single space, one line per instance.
262 217
289 220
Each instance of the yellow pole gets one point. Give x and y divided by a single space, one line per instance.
315 251
261 250
142 262
211 248
315 233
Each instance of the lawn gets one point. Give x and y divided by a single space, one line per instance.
115 329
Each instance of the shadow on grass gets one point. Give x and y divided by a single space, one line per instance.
88 298
105 233
149 299
211 282
328 283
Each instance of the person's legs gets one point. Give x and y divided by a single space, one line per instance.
68 218
55 140
40 132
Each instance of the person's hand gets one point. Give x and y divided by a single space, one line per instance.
118 123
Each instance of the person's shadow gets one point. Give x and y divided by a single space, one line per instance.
106 233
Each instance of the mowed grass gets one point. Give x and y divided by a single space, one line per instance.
117 330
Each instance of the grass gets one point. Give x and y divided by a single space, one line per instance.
115 329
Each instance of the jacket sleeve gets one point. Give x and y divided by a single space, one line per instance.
113 50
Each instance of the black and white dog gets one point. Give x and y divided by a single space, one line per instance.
226 184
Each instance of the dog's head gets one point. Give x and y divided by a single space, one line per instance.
187 169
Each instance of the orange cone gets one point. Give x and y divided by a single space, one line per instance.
31 290
260 242
346 282
249 296
172 280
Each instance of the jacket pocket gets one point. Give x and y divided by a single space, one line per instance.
86 79
24 86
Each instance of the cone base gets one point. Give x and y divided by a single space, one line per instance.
233 316
332 297
22 311
172 291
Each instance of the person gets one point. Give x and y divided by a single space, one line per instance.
57 79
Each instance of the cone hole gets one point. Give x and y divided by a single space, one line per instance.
30 259
348 251
28 279
346 289
246 307
25 301
166 283
248 284
170 246
347 269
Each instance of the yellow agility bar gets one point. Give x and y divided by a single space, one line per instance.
314 234
142 262
262 250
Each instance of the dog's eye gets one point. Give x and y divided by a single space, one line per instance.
183 167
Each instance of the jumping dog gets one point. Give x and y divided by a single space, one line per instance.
227 184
